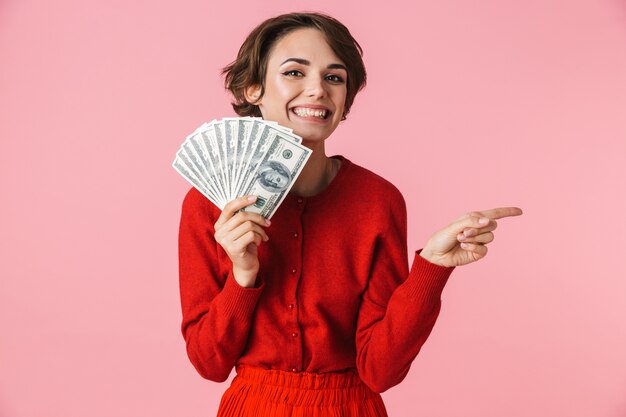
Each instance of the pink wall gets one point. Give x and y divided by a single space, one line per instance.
470 105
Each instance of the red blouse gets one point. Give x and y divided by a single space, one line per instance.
334 290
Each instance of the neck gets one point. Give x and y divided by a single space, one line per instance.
316 174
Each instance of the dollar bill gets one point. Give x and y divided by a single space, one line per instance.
231 127
260 142
225 159
183 170
276 172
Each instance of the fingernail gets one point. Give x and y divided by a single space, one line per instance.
464 245
483 220
268 222
252 198
462 237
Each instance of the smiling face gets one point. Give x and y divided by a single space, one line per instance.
305 86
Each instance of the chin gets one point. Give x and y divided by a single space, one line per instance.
313 136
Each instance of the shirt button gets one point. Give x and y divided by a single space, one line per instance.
294 369
290 306
295 235
294 270
294 334
300 200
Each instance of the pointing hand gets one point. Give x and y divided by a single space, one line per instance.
464 240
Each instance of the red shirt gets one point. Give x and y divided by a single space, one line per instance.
333 292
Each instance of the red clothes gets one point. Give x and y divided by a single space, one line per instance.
258 392
332 290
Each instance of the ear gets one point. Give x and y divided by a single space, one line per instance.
252 94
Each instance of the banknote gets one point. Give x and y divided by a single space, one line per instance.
275 174
182 168
235 156
210 158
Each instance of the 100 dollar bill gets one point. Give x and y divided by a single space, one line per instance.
275 174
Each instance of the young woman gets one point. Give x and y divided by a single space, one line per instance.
317 310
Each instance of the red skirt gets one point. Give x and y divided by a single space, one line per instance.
262 393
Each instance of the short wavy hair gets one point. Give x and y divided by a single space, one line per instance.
250 67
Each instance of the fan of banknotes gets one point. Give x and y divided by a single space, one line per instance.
237 156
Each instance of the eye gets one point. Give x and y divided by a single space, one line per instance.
293 73
335 78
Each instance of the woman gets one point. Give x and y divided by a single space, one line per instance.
317 310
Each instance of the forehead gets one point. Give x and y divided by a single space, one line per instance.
307 43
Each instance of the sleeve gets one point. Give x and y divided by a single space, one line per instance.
397 312
217 312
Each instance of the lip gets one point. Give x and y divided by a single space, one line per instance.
311 106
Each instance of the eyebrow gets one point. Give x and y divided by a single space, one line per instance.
307 62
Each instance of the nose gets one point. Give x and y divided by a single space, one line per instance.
315 87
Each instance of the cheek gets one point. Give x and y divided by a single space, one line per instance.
340 98
281 88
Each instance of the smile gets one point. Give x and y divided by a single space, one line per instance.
308 112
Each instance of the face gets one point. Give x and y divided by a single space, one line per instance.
276 179
305 86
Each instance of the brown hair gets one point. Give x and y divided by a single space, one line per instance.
250 66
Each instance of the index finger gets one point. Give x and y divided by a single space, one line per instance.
500 212
234 206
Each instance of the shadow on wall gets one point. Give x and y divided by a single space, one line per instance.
6 7
622 3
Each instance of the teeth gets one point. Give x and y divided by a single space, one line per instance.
304 112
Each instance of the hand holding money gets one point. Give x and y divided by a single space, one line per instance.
245 166
240 233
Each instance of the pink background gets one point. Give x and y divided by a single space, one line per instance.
470 105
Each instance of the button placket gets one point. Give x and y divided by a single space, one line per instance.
293 329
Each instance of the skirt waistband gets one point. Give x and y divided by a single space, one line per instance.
258 392
300 380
